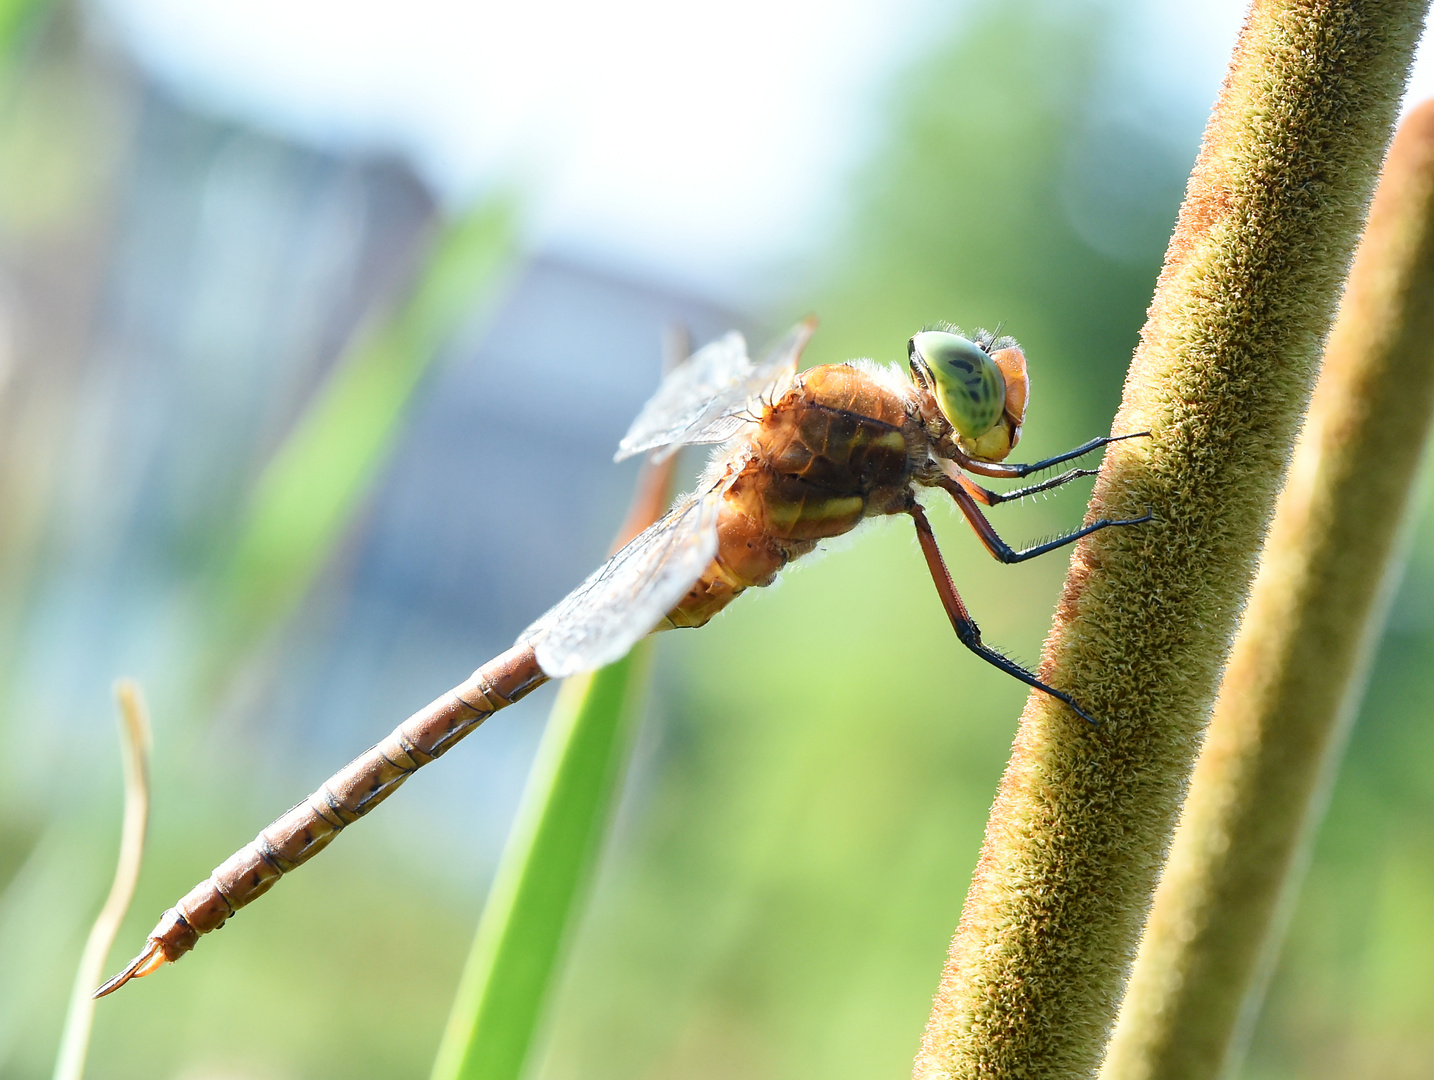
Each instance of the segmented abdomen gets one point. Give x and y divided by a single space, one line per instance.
344 798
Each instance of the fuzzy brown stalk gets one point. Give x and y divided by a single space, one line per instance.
1299 665
1083 819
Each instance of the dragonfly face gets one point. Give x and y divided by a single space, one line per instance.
981 393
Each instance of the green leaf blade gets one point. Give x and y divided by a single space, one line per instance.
545 865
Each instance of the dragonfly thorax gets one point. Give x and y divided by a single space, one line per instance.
838 446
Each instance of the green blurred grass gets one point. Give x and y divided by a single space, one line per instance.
316 483
17 19
536 895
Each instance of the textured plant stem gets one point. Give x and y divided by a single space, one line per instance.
1299 665
1083 818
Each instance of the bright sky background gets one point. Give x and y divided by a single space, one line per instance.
680 141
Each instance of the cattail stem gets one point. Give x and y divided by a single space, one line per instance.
1083 819
1298 668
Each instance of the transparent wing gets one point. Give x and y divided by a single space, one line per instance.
704 399
605 616
687 394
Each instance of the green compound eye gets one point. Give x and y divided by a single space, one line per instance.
968 386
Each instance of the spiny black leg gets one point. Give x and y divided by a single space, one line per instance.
1002 550
967 632
1016 471
1079 451
1009 556
996 498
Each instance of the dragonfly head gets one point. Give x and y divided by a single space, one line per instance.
980 390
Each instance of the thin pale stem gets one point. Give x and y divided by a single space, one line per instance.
134 746
1299 665
1083 818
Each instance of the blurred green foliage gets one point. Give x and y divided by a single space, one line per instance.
970 210
17 18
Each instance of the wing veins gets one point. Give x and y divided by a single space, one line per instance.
590 626
710 396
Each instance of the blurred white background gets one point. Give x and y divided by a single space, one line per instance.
622 117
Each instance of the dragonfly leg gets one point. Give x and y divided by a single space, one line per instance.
987 497
1008 471
967 632
1003 551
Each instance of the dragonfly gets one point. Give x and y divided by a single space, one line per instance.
800 458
